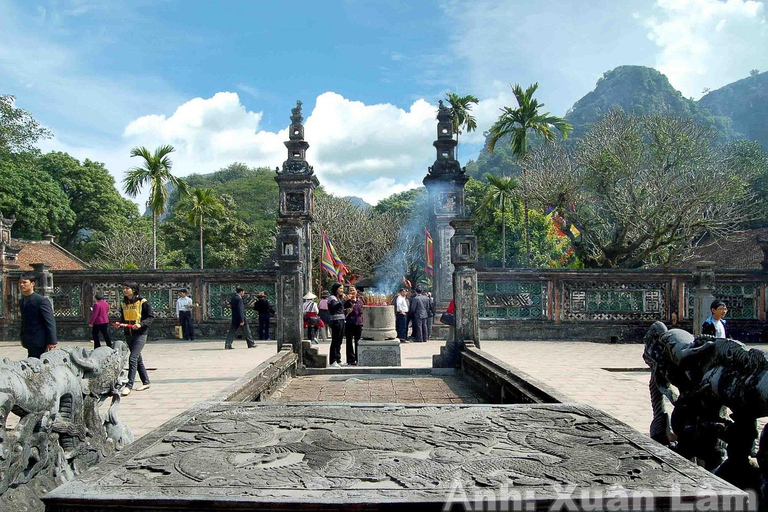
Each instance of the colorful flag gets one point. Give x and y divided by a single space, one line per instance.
331 262
429 254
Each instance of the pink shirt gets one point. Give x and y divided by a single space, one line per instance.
323 304
100 314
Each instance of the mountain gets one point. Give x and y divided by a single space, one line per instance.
745 102
735 111
643 91
358 201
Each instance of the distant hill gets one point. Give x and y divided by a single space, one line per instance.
358 201
735 111
745 103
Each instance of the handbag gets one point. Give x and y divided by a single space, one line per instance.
447 318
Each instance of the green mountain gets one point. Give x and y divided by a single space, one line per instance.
745 103
736 111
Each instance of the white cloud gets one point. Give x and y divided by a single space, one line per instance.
708 43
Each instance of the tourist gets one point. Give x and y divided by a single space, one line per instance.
38 327
409 316
135 317
420 310
239 321
99 321
401 316
715 324
312 321
336 311
324 315
265 311
353 324
430 314
184 314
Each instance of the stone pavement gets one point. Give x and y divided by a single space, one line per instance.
182 373
612 378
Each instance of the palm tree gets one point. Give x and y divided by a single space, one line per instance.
155 171
502 190
460 107
203 202
518 122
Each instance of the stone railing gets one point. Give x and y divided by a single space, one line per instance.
73 294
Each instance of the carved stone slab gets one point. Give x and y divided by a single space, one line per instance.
379 353
252 456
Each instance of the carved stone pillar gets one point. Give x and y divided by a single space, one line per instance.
445 191
703 286
464 259
297 183
44 278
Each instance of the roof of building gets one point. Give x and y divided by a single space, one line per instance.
743 252
48 252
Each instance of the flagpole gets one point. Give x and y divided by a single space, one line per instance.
320 262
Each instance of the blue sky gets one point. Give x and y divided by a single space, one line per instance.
218 79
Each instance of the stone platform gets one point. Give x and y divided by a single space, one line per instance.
251 456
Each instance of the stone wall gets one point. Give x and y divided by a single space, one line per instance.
73 292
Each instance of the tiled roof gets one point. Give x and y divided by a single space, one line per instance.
741 253
50 253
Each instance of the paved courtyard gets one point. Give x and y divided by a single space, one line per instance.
612 378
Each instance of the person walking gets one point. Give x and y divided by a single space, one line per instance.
336 311
184 314
99 321
324 315
38 326
353 324
401 316
135 318
312 319
430 314
239 321
420 310
265 311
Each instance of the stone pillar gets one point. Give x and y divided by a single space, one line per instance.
297 183
445 189
464 259
703 286
44 284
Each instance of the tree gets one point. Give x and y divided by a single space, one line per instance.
19 131
155 171
33 197
502 191
517 123
98 207
643 190
203 202
460 116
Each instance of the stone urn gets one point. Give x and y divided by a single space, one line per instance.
379 323
379 345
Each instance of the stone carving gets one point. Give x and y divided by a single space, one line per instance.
294 202
702 376
60 432
613 301
291 456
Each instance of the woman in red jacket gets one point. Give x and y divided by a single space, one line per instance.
99 321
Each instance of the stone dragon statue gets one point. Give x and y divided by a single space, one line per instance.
719 388
60 430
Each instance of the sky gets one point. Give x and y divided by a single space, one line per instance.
217 80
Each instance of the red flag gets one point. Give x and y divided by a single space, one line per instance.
429 254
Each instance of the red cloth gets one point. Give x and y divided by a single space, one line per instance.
451 308
100 314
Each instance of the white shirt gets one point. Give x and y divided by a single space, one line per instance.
401 304
183 304
719 329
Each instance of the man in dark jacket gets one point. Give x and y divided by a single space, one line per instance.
265 311
715 324
238 320
420 310
38 327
